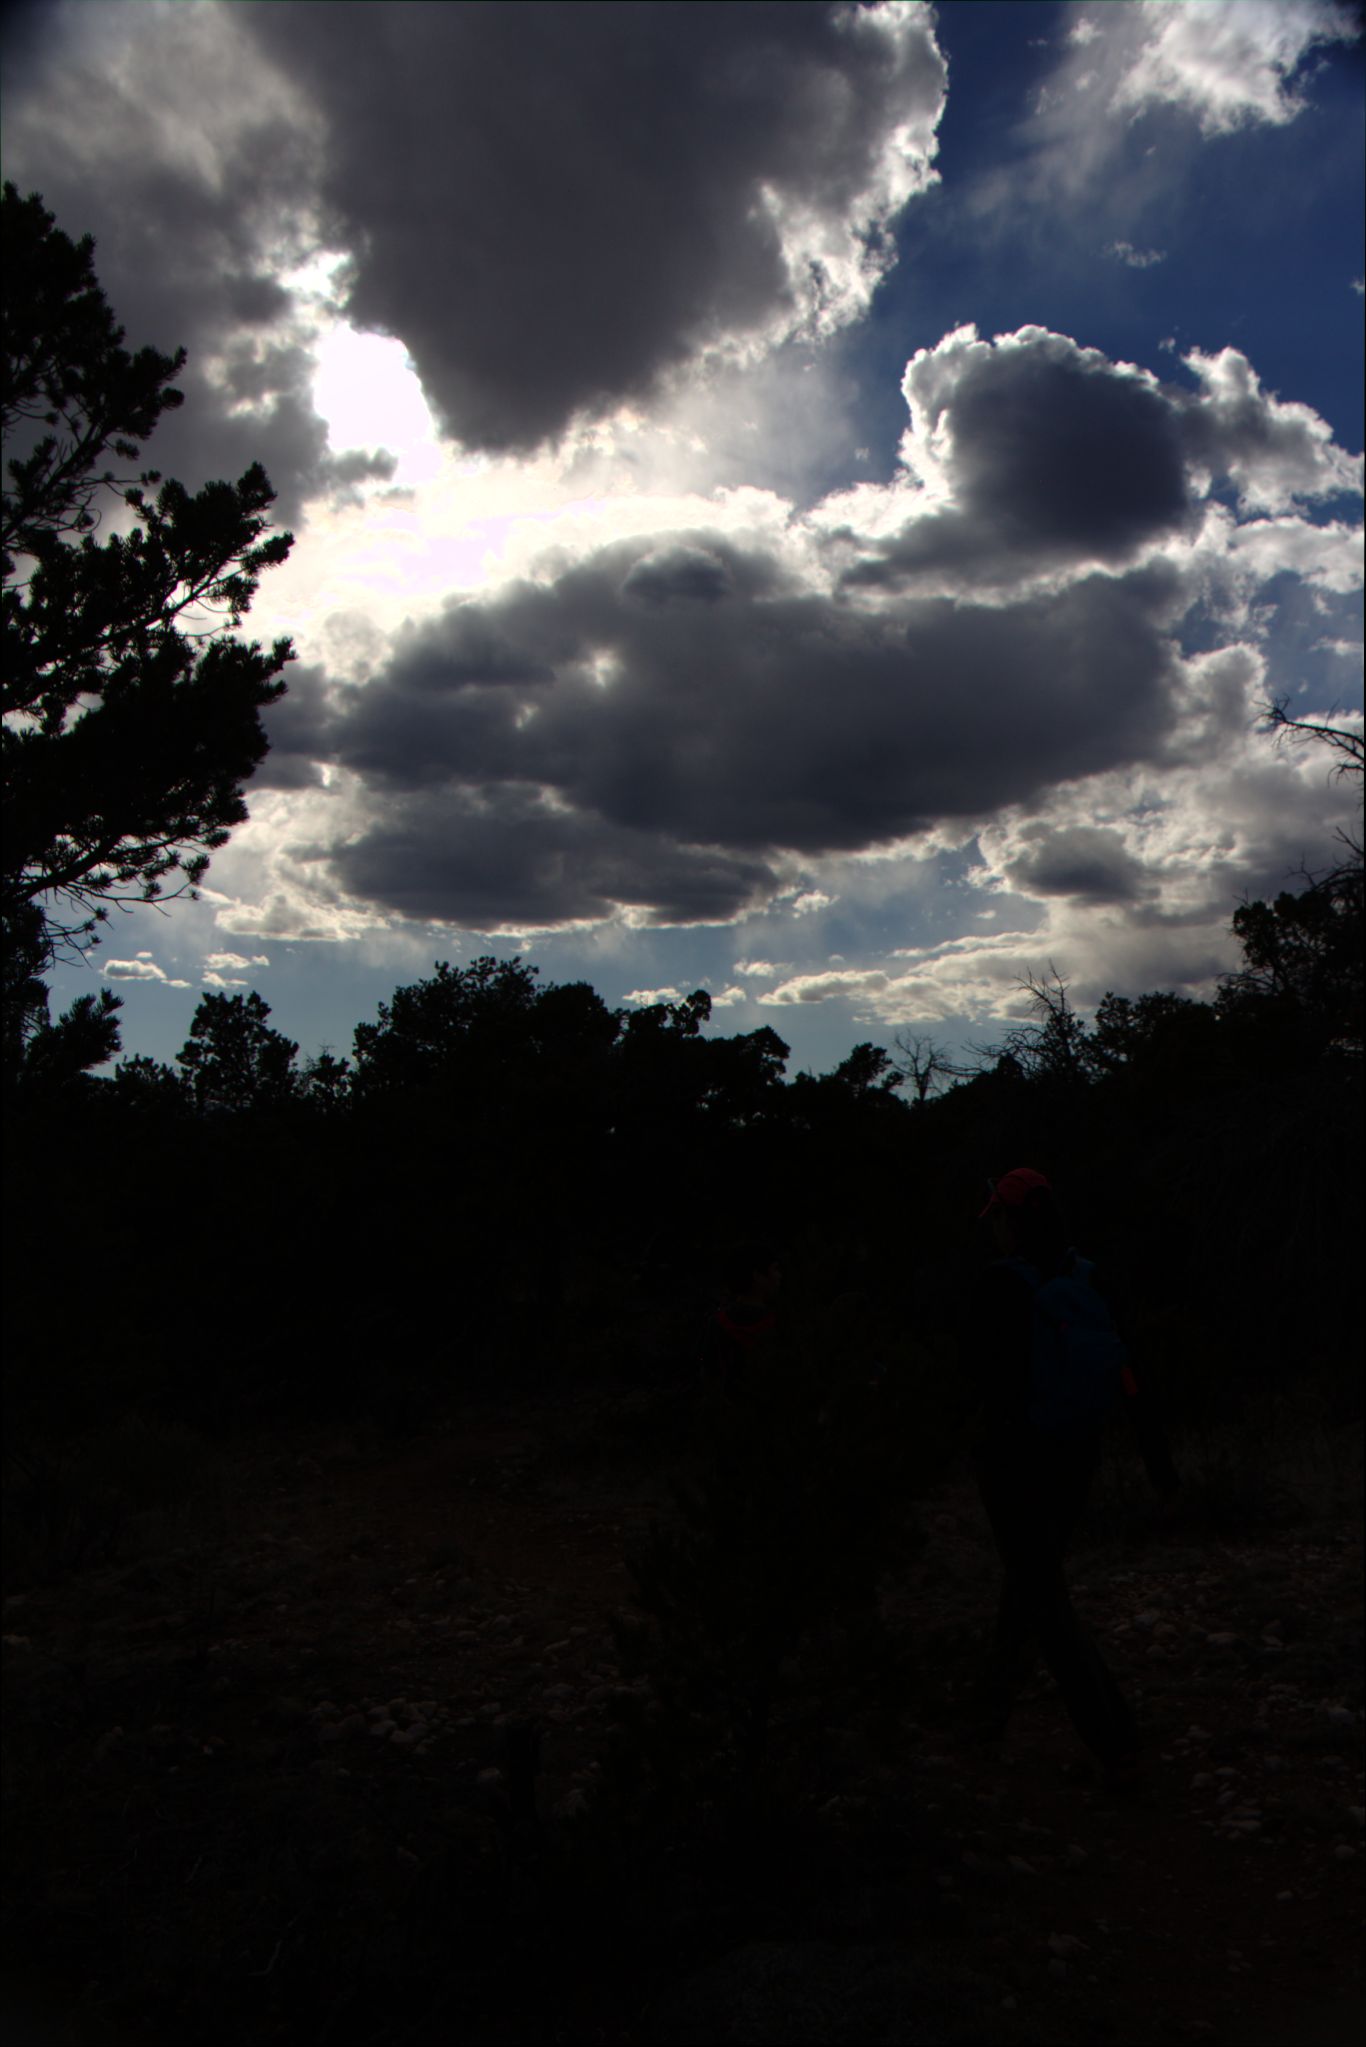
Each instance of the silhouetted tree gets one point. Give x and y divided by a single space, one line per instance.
325 1082
1152 1035
41 1056
131 711
868 1068
1055 1044
925 1065
84 1036
442 1026
232 1058
144 1084
1302 954
743 1076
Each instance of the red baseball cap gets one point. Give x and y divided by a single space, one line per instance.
1013 1189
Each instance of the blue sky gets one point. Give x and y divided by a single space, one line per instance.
801 501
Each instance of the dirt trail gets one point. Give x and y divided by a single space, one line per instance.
367 1619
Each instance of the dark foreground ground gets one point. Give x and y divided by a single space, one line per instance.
257 1772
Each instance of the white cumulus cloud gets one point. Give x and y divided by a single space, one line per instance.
1227 62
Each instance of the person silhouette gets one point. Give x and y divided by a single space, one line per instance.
1048 1364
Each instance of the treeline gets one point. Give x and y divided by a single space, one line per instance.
511 1180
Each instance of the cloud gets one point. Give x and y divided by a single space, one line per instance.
1027 451
1136 259
1138 92
512 857
140 969
674 183
679 727
678 189
1087 862
200 201
647 997
216 980
1228 65
1276 454
220 962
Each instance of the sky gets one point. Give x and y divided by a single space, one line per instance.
807 501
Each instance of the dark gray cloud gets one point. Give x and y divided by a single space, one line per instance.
607 744
554 205
300 725
1086 862
505 856
1049 455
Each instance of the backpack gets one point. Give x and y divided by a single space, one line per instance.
1077 1358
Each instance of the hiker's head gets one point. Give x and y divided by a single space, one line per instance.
749 1272
1025 1218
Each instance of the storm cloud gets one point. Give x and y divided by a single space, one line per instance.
673 757
1030 452
673 725
554 206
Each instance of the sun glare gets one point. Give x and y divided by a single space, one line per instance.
366 390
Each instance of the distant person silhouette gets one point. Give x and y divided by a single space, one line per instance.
1049 1366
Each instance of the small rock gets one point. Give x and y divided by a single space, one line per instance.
1057 1969
382 1729
1065 1944
1342 1853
